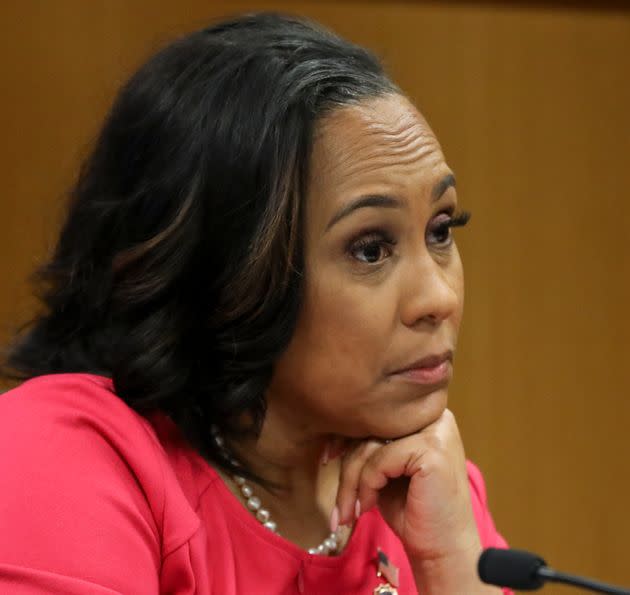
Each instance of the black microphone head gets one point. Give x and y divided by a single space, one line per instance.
515 569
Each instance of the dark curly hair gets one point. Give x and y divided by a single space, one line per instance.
178 271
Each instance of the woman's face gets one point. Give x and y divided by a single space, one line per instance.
383 279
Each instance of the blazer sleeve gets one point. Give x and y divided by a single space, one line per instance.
79 493
488 533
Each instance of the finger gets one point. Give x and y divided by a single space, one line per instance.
402 458
351 465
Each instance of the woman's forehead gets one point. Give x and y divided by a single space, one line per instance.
383 142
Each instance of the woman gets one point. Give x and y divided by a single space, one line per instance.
239 380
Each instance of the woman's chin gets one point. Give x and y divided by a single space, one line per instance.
411 417
389 416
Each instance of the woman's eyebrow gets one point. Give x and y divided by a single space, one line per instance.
442 186
388 202
368 200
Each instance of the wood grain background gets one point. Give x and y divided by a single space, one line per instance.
532 105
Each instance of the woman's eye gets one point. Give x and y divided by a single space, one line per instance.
440 229
371 249
442 233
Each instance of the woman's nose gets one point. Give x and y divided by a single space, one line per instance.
432 292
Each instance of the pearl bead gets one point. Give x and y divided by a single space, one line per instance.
321 549
238 480
253 503
313 551
219 440
263 515
271 525
331 544
246 491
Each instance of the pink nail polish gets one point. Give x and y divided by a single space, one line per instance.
334 520
357 509
325 455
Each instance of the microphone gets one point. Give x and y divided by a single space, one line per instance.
521 570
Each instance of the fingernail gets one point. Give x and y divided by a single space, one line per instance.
335 450
325 454
357 509
334 520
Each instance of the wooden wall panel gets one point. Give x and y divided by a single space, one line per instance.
532 107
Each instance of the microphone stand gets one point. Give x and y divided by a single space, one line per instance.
524 571
551 575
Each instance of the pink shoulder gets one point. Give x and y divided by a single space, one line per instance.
60 395
86 468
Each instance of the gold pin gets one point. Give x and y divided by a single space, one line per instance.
386 589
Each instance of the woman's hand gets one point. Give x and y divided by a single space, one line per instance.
420 485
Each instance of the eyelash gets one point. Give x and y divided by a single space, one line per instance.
380 237
456 220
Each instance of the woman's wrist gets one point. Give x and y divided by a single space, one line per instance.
451 575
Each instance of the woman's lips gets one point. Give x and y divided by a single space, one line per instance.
429 375
437 373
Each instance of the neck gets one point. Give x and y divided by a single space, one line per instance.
301 490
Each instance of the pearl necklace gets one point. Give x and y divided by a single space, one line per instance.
327 547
